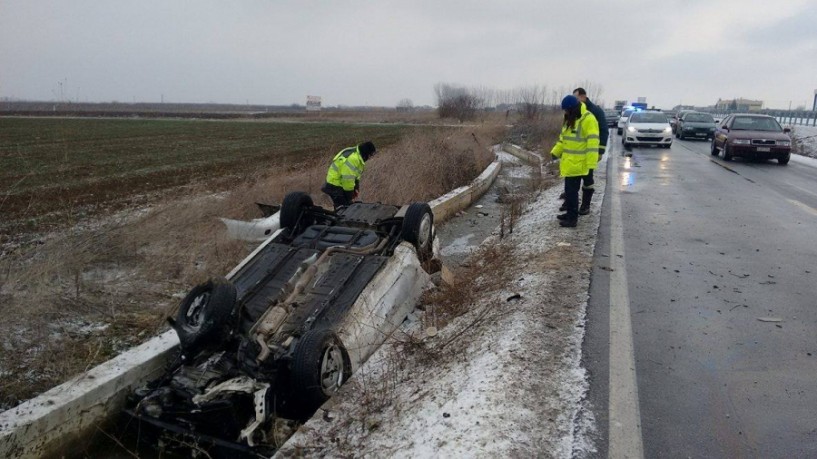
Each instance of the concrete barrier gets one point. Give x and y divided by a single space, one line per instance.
534 159
52 422
49 424
456 200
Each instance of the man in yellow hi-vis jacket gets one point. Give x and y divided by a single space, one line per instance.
343 178
578 151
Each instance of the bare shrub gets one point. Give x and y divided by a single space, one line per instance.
423 166
457 102
485 271
405 105
539 134
531 102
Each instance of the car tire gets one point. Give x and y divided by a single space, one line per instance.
320 365
619 131
292 209
418 229
205 315
667 145
726 155
783 160
714 150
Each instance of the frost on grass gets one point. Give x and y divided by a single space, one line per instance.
502 379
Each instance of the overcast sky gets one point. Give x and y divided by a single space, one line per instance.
378 52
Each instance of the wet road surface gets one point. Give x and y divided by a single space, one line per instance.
721 274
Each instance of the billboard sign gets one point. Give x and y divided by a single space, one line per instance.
313 103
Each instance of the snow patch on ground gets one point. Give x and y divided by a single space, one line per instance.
807 137
461 244
504 379
514 167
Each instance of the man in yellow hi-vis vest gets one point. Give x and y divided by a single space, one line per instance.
343 178
578 151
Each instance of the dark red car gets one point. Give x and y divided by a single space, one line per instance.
752 136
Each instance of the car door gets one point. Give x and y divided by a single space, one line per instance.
722 132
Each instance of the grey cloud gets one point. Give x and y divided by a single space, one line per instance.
359 52
800 28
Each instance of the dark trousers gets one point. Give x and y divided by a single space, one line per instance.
339 196
588 181
572 185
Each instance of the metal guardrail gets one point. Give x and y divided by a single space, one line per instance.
785 117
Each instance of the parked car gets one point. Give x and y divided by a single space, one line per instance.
612 118
297 318
647 128
752 136
622 120
695 125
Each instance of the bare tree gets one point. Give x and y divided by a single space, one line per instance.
530 101
457 102
405 105
594 91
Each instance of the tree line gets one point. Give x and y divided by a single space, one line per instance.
464 103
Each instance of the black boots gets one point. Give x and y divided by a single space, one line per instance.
587 198
567 221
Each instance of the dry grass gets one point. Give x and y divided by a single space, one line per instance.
429 165
80 297
537 135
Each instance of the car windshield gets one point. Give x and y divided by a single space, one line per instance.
751 123
649 117
699 118
626 113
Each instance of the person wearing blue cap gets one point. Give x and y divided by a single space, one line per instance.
578 151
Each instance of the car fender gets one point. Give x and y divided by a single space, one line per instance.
254 230
383 305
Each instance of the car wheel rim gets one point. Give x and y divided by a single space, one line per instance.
332 369
425 231
196 309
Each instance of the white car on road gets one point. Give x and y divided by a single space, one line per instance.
622 120
647 128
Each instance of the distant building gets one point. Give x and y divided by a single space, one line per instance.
740 104
678 108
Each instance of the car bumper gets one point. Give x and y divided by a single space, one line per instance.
696 134
646 139
752 151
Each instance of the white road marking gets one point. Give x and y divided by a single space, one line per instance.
803 206
624 412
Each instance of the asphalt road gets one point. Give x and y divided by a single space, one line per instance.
721 278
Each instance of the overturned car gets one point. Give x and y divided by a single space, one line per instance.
289 325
